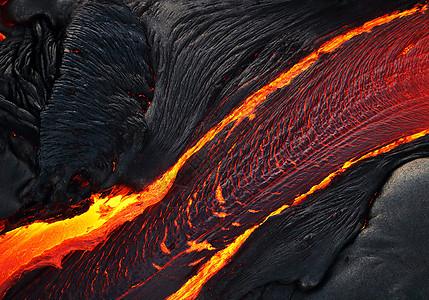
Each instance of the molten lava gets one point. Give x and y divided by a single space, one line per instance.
41 244
193 286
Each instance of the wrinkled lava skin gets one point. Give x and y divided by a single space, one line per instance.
102 94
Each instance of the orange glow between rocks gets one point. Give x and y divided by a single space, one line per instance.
219 196
194 246
407 49
40 244
2 36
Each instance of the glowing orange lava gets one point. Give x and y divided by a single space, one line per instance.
193 286
40 244
2 36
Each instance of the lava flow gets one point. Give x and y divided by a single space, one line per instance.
192 288
291 123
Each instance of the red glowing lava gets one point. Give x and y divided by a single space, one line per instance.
193 286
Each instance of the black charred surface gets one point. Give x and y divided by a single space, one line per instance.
29 66
24 11
16 173
129 86
94 118
386 258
